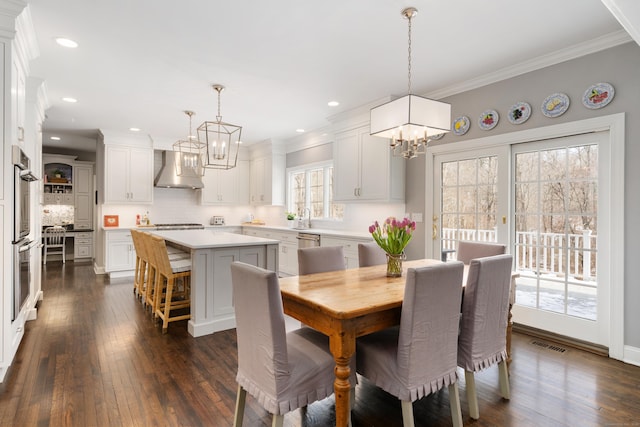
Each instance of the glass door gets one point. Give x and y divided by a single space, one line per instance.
472 194
556 241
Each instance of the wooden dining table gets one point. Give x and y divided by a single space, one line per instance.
347 304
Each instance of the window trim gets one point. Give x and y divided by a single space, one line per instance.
307 168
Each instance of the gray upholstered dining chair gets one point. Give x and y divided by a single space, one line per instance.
283 371
371 254
320 259
482 341
54 241
471 250
418 357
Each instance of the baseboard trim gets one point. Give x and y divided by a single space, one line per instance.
631 355
561 339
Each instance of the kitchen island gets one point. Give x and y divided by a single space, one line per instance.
212 253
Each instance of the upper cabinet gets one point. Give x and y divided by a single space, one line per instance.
223 187
365 169
57 179
128 174
267 176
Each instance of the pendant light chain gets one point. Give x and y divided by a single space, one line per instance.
219 116
409 54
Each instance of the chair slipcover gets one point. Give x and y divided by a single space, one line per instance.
320 259
371 254
283 371
418 357
485 307
471 250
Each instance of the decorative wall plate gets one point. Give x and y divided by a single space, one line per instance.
598 96
436 137
555 105
488 119
461 125
519 113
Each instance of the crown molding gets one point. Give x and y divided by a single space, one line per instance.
576 51
628 15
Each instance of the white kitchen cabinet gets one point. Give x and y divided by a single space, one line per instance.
365 169
268 180
18 99
226 186
83 196
83 245
120 253
288 247
349 245
128 175
58 179
58 198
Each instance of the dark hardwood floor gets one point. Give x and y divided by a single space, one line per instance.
94 358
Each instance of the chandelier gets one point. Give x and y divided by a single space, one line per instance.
411 120
188 162
222 140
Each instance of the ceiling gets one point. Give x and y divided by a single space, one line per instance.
142 63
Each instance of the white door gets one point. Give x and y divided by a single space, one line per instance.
557 214
546 200
472 193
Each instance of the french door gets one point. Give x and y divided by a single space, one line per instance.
547 200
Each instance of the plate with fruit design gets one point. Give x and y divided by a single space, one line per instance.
555 105
461 125
519 113
598 96
488 119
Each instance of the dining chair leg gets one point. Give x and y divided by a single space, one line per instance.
472 397
407 413
240 401
278 421
454 402
503 371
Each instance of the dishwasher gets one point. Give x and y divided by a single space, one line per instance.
308 240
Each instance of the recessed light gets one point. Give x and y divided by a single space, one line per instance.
55 138
63 41
300 130
134 129
70 100
333 103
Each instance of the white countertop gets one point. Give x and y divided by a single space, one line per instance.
320 231
206 239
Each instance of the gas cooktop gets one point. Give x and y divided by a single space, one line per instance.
184 226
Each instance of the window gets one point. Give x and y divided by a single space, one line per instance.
311 187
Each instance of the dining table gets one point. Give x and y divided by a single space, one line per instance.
346 304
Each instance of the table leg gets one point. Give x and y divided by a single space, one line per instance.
342 348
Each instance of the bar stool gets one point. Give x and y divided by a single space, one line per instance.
140 272
167 295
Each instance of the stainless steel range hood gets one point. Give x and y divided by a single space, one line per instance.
168 178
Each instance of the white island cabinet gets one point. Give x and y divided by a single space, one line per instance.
212 253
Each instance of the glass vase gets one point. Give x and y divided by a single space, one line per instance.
394 265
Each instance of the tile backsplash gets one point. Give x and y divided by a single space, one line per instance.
57 215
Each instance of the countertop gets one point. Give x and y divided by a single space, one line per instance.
220 229
206 239
320 231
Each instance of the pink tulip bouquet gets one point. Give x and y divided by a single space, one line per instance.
393 236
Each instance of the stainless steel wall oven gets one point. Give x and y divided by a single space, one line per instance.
23 243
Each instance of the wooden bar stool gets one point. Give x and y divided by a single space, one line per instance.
168 296
149 290
140 274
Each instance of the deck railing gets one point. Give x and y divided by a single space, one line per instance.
543 253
